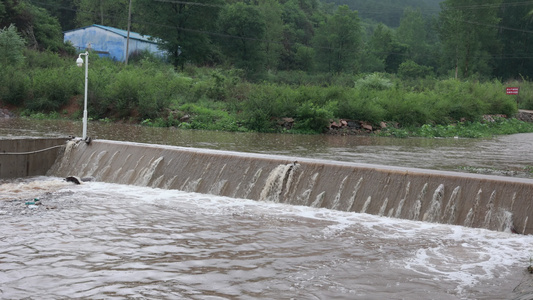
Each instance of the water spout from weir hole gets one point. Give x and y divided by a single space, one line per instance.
496 203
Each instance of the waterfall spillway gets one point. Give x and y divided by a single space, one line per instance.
492 202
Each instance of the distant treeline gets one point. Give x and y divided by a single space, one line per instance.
390 12
480 39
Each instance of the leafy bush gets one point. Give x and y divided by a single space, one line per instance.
375 81
157 94
124 92
210 119
46 60
360 105
525 97
457 100
216 99
463 129
313 118
496 100
51 88
102 72
258 110
406 108
410 69
14 86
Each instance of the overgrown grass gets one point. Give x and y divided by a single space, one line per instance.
154 94
499 126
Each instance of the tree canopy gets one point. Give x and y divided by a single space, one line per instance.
338 41
461 38
11 47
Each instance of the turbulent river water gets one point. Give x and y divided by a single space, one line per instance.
509 155
101 240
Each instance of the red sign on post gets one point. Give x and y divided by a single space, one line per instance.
512 90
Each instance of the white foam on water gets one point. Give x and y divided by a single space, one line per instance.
29 188
458 256
477 250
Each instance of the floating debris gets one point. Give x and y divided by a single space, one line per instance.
35 201
74 179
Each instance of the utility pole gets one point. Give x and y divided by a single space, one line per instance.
128 39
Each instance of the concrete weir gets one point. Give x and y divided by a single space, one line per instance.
492 202
23 157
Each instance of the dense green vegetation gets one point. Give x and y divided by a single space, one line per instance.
249 65
155 94
390 12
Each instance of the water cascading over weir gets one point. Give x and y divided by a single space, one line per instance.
491 202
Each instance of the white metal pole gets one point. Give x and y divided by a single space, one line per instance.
85 97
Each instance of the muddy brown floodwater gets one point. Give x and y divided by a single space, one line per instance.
100 240
509 155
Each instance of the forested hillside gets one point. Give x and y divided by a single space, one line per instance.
411 38
389 12
243 64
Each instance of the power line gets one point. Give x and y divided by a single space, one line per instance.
223 35
497 26
191 3
217 34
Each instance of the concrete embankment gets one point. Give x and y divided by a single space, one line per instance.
21 157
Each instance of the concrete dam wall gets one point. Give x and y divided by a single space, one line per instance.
28 157
492 202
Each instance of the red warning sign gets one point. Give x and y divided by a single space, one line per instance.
512 90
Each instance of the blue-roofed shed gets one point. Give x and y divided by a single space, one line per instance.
110 42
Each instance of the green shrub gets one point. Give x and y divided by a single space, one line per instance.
361 105
493 95
374 81
410 69
406 108
52 88
457 100
14 86
464 129
157 94
313 118
525 97
145 58
46 60
101 74
258 111
124 92
209 119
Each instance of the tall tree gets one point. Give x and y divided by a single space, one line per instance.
383 52
184 28
272 47
298 33
11 47
63 10
468 31
39 29
2 10
338 41
244 28
388 12
103 12
415 32
515 59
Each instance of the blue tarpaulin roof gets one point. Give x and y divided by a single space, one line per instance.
124 33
